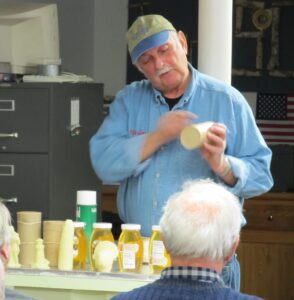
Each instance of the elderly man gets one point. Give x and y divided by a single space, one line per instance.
200 227
138 143
5 236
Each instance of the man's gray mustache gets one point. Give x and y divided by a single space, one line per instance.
164 70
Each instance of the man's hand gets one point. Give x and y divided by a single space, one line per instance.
213 150
172 123
214 153
169 127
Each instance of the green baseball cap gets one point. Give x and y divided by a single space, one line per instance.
147 32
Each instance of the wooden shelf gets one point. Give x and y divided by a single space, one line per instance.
109 198
266 249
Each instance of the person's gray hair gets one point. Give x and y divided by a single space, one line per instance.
203 220
5 223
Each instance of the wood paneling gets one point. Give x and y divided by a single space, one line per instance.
270 214
266 250
109 198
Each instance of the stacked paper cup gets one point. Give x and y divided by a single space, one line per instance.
51 234
29 229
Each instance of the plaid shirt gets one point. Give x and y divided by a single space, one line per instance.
192 273
185 283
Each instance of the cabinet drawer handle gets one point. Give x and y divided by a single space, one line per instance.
13 199
7 105
270 218
9 135
7 170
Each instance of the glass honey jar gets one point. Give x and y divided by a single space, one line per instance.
101 232
130 247
159 259
79 246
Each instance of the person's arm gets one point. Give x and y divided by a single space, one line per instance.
116 154
247 152
214 153
169 127
225 173
114 150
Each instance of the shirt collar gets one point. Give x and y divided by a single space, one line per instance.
192 273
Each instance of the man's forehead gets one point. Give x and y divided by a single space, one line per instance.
155 49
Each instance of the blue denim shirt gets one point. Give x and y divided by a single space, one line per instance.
145 186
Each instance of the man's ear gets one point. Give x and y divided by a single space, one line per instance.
4 253
183 41
233 250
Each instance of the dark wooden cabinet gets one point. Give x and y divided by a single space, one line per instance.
266 251
44 154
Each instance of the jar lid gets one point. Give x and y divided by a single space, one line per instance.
86 198
79 224
102 225
130 226
156 228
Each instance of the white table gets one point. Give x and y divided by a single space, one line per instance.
66 285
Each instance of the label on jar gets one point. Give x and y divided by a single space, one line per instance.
129 259
131 247
157 255
129 255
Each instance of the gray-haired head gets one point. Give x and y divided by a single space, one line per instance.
5 223
203 220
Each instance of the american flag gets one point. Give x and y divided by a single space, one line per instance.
275 117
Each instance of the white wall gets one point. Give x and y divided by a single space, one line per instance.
110 49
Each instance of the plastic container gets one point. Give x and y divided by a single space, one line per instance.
79 246
87 210
159 259
130 247
101 232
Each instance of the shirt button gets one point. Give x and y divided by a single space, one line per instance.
157 175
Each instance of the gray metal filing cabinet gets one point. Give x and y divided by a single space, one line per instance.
44 155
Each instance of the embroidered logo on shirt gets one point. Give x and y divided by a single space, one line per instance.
136 132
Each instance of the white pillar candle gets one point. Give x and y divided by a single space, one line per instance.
65 258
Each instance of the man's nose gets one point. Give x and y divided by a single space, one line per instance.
158 62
